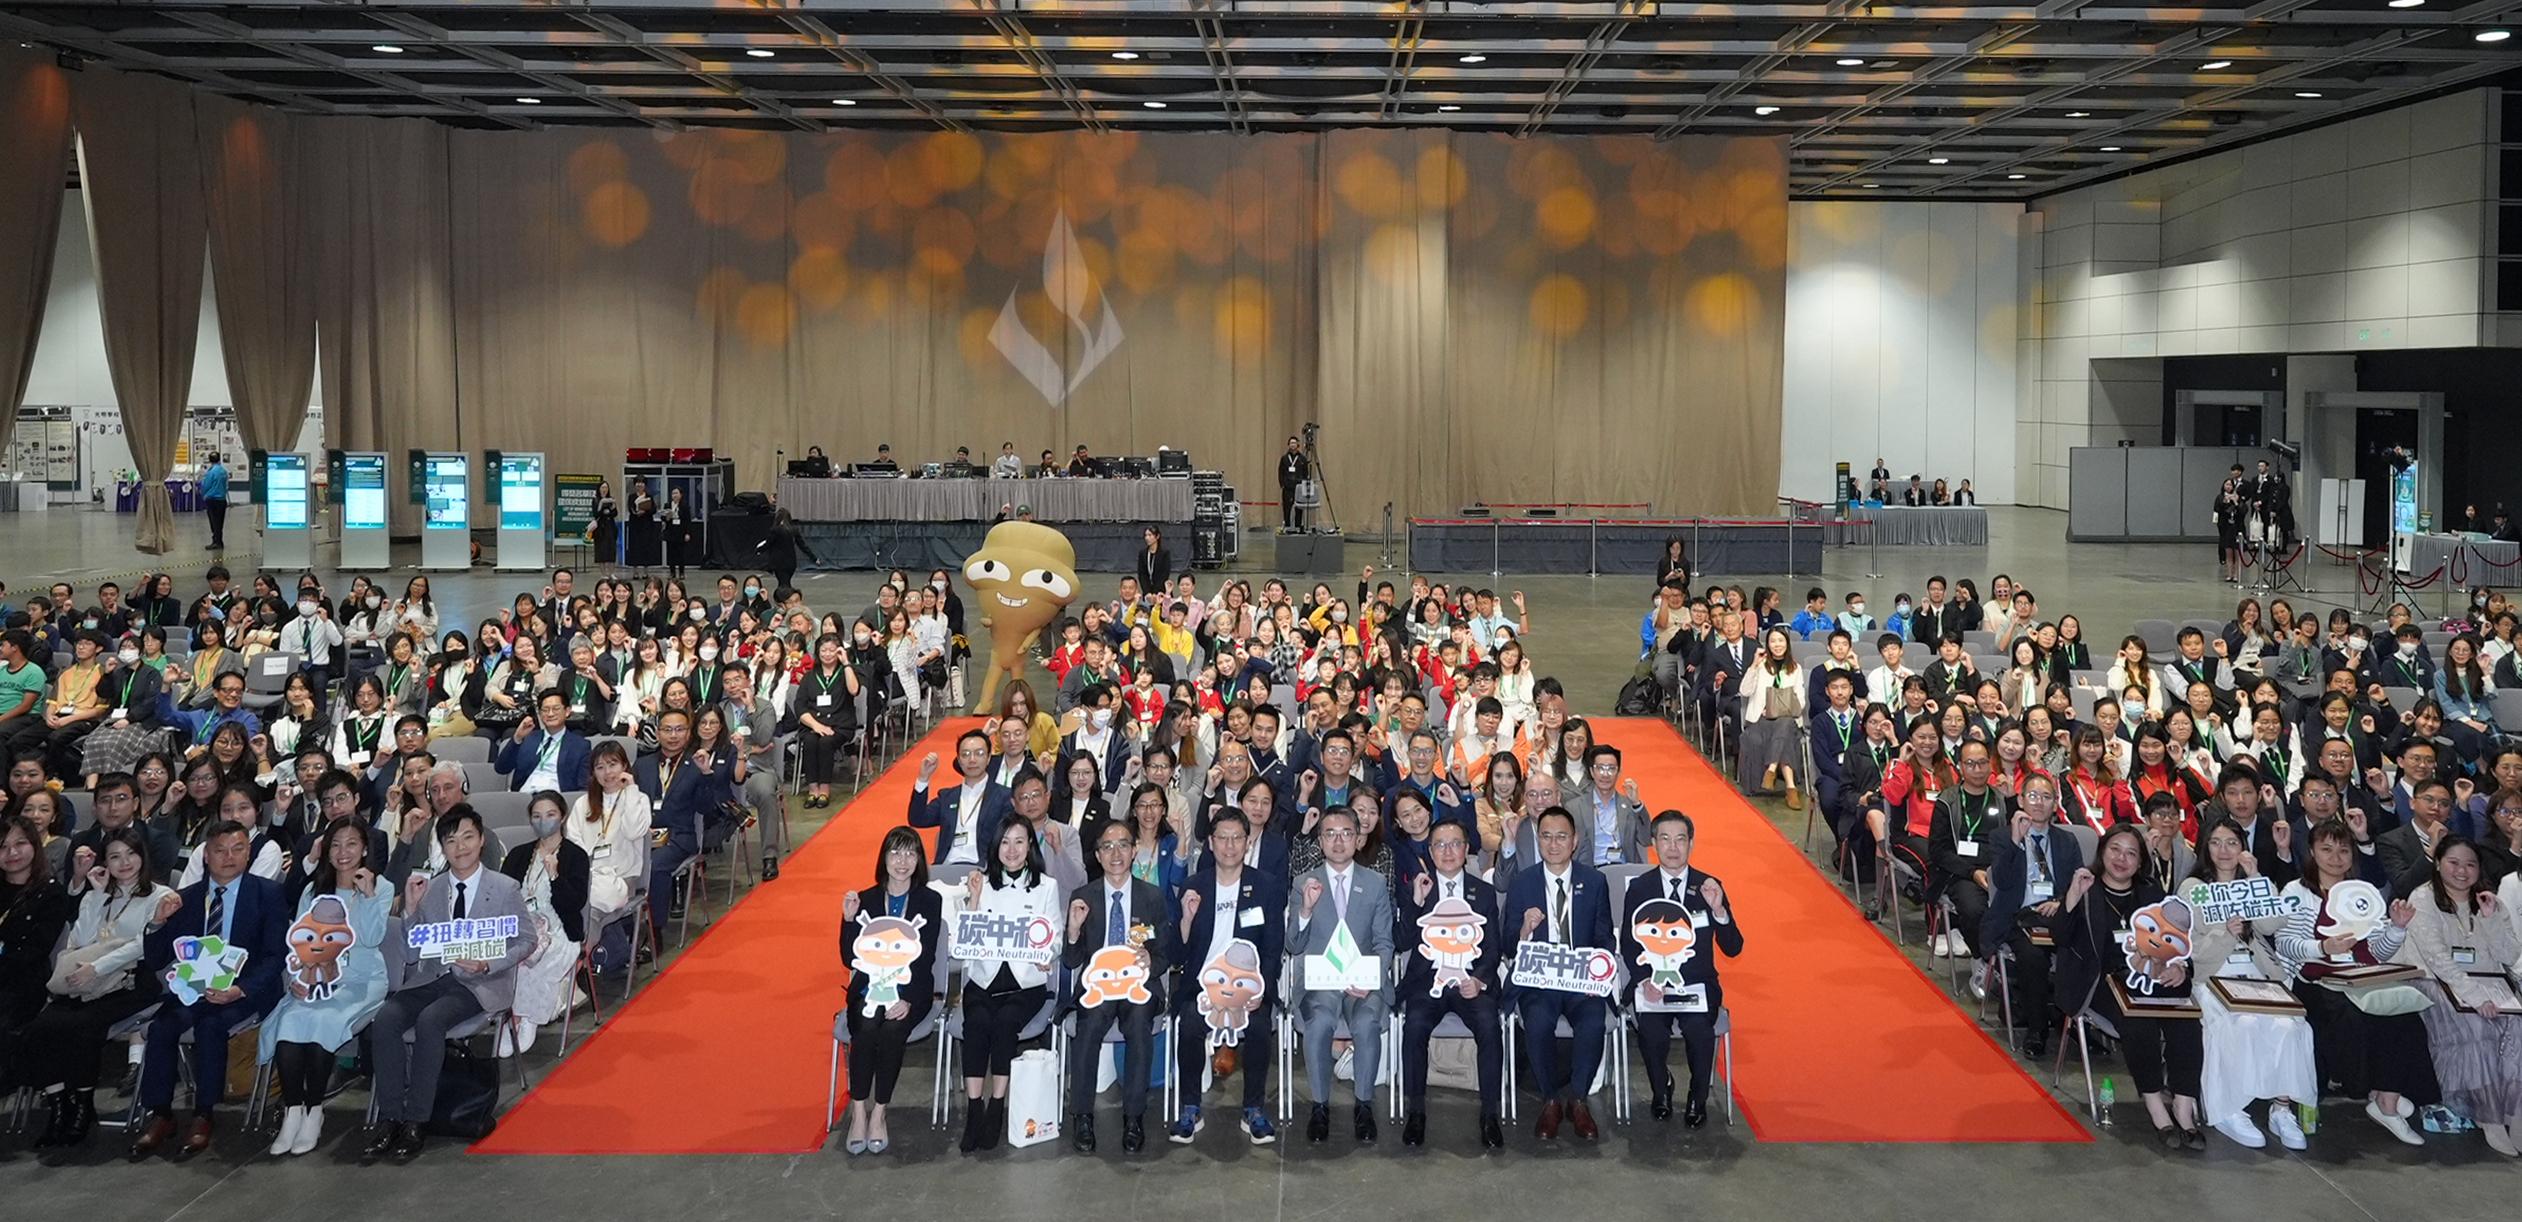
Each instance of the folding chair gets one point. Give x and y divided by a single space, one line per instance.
483 779
468 749
1608 1074
121 1036
267 677
487 1023
2083 1024
245 1025
2161 636
952 1035
504 815
928 1026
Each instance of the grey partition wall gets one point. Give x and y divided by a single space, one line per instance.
2138 494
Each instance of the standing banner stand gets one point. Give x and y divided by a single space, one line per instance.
521 515
573 517
288 537
360 486
446 523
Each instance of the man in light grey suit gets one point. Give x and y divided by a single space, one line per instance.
1610 818
436 995
1355 897
1521 851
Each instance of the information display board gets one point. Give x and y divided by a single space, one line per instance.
521 513
446 536
365 541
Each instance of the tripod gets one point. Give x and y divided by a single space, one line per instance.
1322 486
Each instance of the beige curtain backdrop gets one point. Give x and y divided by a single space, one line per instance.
35 148
261 263
142 183
385 318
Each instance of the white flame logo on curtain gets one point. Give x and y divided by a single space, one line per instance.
1065 280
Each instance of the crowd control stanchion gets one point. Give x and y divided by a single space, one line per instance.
1495 529
1593 547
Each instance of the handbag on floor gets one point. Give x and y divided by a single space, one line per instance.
468 1095
1033 1098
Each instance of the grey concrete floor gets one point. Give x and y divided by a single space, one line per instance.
1585 633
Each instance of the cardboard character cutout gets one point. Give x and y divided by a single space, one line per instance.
2354 908
317 943
1230 987
1449 935
1666 940
2158 937
1115 974
886 948
1025 575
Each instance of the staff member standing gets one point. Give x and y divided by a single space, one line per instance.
1294 469
1681 987
214 501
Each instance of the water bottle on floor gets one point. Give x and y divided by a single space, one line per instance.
2110 1099
2311 1114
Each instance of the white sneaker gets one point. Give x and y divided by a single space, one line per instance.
1941 945
2239 1128
288 1137
2283 1123
310 1130
1979 980
2499 1139
2397 1126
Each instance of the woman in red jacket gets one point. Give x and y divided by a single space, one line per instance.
1921 773
2095 793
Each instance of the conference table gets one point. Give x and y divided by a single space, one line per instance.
1925 525
978 500
2464 561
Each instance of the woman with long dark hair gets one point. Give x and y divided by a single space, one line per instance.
336 978
96 984
1001 996
899 909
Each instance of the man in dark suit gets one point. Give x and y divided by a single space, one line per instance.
682 789
1562 902
1850 769
1720 670
1225 903
2407 851
2027 871
1114 917
1668 919
245 911
1445 802
1449 921
1101 736
1935 617
2260 815
967 816
545 753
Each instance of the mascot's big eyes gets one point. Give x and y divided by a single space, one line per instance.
337 937
1049 583
304 936
986 570
1214 978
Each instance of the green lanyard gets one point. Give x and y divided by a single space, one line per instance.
1847 732
1976 818
393 678
579 686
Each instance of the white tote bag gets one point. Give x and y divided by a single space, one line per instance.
1033 1099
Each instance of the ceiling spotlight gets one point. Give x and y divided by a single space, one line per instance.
1153 105
2307 93
531 101
1125 55
1449 107
2406 3
1872 185
1764 110
386 48
2079 114
845 101
759 53
2493 35
1939 161
1850 63
2110 148
2213 64
1474 58
2013 177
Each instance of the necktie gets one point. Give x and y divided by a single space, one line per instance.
1114 934
1340 896
1559 912
1675 881
216 923
2040 857
458 911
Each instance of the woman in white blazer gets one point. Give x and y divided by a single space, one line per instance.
1001 996
610 821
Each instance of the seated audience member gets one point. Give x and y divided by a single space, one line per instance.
335 977
543 752
1565 903
2465 946
96 983
2025 868
246 911
1664 917
683 786
554 874
610 822
1359 901
2163 1054
2250 1055
1452 916
1001 997
889 936
1114 917
436 995
2380 1058
1231 920
967 816
1969 819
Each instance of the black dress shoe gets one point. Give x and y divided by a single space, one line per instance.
1081 1133
380 1143
407 1142
770 867
1318 1124
2036 1046
82 1116
1414 1129
1662 1106
1133 1135
57 1115
1492 1134
1695 1113
1365 1124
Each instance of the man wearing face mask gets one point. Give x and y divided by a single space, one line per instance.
1112 749
313 635
2410 665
